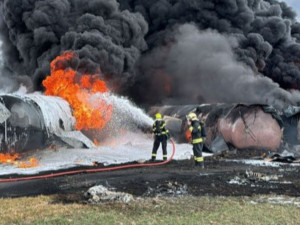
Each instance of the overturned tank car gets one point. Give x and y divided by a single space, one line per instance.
238 126
34 121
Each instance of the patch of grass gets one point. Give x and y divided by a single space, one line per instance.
185 210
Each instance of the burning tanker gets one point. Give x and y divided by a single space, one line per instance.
78 103
89 110
34 120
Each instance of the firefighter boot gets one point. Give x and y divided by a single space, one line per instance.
153 157
199 165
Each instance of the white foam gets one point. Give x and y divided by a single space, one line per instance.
131 147
263 163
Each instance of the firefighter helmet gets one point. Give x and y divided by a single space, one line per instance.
192 116
157 116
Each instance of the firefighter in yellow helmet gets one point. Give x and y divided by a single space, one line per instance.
198 132
161 134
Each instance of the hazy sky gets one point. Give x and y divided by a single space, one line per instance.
295 4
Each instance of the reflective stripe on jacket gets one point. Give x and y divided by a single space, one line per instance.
159 127
195 130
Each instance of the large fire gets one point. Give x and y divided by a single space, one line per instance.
89 110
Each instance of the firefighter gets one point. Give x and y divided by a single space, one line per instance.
198 133
161 134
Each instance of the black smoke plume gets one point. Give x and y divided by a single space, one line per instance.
220 77
34 32
144 47
266 33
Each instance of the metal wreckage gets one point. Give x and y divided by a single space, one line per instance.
241 126
33 121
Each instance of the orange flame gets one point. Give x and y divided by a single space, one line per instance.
8 158
188 135
91 112
30 164
11 159
96 142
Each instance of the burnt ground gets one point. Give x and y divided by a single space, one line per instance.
222 176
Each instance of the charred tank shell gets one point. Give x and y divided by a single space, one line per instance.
24 128
249 126
240 125
35 121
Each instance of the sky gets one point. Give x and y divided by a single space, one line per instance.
295 4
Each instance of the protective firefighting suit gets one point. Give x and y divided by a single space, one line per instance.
198 132
161 134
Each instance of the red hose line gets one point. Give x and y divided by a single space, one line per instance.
90 170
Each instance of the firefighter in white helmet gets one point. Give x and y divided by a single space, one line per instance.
161 134
198 132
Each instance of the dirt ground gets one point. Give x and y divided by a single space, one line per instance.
224 175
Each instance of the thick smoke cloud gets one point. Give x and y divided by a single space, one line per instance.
266 30
134 42
220 77
11 83
34 32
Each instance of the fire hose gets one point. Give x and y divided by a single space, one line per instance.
90 170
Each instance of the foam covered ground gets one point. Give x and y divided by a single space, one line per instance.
127 148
